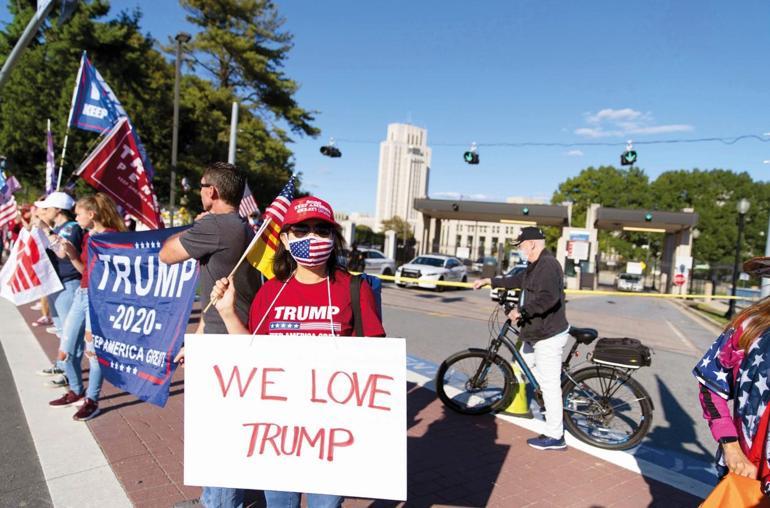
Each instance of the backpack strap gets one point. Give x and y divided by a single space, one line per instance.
355 303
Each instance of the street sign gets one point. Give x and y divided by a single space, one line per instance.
680 279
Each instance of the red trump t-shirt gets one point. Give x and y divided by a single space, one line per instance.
305 309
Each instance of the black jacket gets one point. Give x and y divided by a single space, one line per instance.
541 303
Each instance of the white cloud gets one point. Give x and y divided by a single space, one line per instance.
575 153
624 122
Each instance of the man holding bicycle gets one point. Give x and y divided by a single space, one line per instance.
543 325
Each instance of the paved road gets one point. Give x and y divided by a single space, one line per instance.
439 324
21 478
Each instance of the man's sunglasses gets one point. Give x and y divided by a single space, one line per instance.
322 230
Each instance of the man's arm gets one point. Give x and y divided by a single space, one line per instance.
173 251
508 282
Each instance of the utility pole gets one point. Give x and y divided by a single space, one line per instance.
181 38
44 9
233 134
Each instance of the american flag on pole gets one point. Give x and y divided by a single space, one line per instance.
28 274
8 212
248 205
261 251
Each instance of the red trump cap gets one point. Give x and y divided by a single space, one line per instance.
308 208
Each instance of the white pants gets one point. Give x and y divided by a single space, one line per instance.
544 357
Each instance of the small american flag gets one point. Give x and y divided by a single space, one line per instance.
8 211
311 251
248 205
280 204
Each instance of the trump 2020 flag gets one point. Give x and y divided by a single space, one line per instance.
139 309
96 108
28 274
115 167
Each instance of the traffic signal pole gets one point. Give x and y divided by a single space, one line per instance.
29 33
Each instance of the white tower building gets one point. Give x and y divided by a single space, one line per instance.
403 173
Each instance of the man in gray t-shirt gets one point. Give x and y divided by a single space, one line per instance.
217 240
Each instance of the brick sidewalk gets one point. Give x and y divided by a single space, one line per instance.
453 460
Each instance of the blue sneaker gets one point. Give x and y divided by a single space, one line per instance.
543 442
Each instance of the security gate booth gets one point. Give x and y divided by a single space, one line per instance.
676 259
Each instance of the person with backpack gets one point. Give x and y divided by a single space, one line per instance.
310 295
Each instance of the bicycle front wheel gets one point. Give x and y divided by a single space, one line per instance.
605 408
473 383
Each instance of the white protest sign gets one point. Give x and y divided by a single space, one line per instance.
319 415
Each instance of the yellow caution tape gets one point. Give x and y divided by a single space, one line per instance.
469 285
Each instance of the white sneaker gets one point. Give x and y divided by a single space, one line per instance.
36 306
53 330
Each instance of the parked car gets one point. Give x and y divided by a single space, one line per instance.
480 263
630 282
378 263
513 296
430 268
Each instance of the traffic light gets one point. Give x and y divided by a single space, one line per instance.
472 155
648 217
628 157
331 151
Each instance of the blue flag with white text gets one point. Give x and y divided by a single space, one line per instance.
139 309
96 108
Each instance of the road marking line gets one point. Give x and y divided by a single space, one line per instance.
687 342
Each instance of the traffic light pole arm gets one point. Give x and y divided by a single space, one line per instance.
29 33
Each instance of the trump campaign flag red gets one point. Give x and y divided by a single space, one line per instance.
115 167
28 274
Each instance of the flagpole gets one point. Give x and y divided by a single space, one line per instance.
69 119
261 230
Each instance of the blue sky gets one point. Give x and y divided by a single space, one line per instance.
518 71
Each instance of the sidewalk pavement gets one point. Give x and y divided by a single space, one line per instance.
453 460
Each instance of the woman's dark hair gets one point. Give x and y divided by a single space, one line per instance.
284 264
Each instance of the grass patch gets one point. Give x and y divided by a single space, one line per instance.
708 311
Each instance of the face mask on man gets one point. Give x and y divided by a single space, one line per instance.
311 251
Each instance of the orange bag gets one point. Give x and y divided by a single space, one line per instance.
736 492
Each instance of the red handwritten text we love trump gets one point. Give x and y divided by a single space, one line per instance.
337 387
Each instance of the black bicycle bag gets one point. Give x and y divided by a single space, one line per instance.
622 352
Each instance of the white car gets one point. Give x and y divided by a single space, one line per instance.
377 262
430 268
630 282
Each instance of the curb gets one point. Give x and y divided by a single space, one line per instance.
75 470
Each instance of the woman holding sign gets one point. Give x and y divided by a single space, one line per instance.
96 214
310 295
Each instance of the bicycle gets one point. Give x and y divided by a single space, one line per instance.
603 405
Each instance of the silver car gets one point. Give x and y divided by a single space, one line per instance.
378 263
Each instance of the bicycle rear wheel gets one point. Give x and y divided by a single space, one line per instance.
605 408
472 383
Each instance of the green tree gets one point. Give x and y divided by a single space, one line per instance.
143 79
242 49
613 188
402 228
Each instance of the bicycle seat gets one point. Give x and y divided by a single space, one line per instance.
583 335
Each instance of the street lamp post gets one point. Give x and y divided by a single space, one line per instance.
743 207
181 38
695 234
